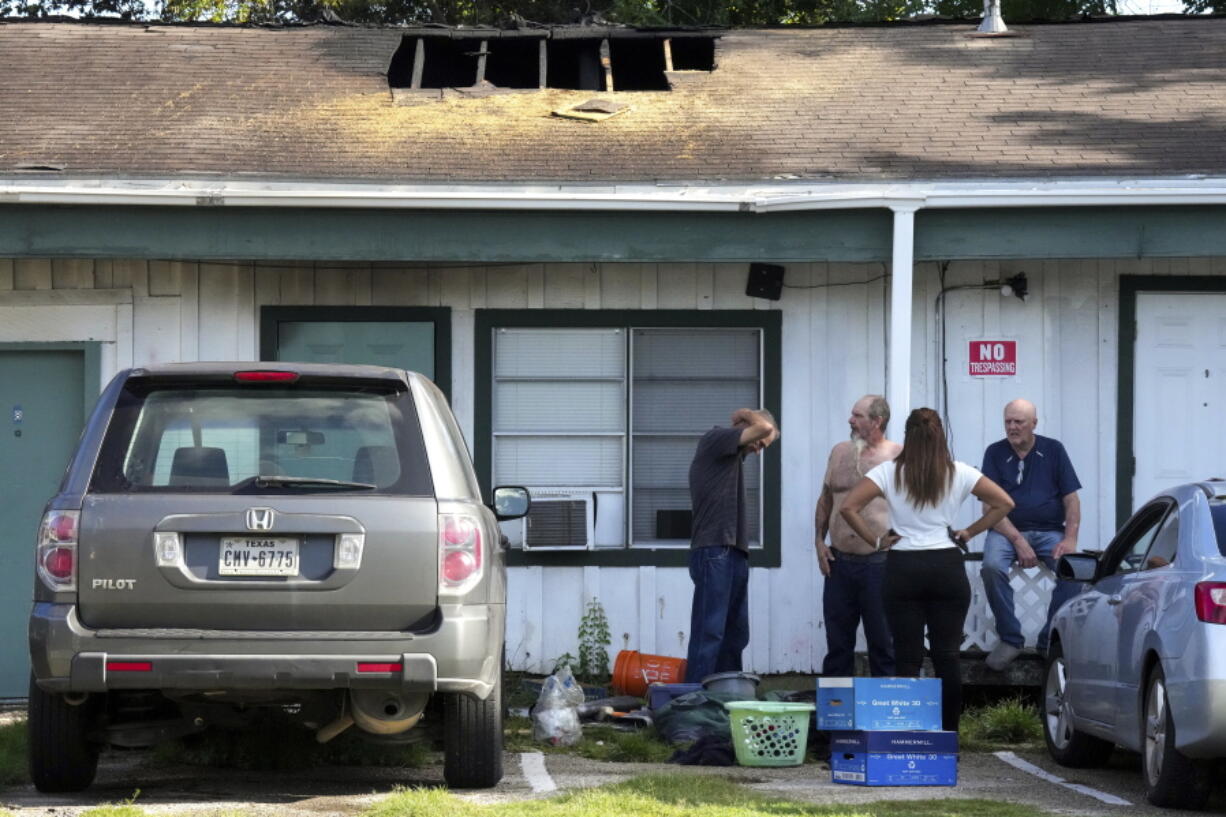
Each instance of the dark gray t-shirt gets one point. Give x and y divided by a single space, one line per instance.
717 491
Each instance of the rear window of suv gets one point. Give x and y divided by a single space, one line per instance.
226 439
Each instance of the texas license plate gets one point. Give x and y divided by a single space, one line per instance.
258 556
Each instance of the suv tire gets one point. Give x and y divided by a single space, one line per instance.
472 739
61 756
1066 745
1172 779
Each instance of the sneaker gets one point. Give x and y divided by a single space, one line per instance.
1001 655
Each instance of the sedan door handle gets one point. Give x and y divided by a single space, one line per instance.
1116 599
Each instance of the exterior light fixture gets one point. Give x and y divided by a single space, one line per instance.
1015 285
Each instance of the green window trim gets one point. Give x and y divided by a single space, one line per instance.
272 316
770 324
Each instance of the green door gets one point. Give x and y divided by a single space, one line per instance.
413 338
42 397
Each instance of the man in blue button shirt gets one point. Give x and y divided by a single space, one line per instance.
1036 473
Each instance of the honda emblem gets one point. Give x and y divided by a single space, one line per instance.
259 518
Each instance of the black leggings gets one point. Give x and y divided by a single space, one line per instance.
928 589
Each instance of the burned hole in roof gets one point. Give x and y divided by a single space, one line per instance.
586 59
693 54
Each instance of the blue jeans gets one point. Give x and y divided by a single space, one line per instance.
998 557
852 593
719 618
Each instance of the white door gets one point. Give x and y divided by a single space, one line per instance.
1179 392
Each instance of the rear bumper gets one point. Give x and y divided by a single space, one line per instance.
1200 710
462 655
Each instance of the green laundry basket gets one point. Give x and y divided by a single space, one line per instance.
769 733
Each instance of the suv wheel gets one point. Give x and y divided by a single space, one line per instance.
1065 744
472 740
62 758
1172 779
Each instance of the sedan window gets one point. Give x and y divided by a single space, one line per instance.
1166 543
1127 553
1218 511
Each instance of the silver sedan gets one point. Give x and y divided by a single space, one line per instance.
1138 658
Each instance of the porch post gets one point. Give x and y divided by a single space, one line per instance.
898 356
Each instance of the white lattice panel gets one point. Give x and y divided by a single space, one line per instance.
1031 594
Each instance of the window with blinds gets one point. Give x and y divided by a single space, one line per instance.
614 414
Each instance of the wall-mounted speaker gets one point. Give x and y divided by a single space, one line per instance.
765 281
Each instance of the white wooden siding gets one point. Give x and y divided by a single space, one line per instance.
834 329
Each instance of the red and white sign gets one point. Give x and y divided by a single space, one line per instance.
993 357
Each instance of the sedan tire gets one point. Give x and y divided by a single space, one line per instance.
61 756
1066 745
1172 780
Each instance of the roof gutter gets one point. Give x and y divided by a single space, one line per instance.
761 198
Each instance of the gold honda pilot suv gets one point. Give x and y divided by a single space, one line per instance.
235 538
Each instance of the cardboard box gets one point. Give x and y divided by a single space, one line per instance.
894 758
836 704
898 704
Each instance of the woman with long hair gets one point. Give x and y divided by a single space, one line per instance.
925 584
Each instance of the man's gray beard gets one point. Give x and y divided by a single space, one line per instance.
858 445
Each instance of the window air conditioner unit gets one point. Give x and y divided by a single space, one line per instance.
559 519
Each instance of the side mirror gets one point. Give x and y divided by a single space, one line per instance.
1078 567
511 502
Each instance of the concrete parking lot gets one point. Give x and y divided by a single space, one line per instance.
340 791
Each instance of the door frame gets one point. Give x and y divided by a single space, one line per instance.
271 317
1130 287
92 365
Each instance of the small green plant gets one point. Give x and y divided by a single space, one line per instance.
1010 722
124 808
564 660
594 638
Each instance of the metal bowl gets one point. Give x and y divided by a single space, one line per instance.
743 684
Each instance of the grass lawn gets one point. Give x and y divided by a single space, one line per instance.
680 795
13 754
675 795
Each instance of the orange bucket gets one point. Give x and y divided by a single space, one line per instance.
633 671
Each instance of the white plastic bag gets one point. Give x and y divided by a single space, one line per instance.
555 718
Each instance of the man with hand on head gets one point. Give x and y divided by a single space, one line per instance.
719 542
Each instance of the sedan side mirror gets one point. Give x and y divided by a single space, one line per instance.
511 502
1078 567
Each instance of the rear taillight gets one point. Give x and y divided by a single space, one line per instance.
56 556
459 552
129 666
265 376
1211 602
379 666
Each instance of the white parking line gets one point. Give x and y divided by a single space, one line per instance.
1017 763
533 765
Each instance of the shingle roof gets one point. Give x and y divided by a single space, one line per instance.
1127 98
